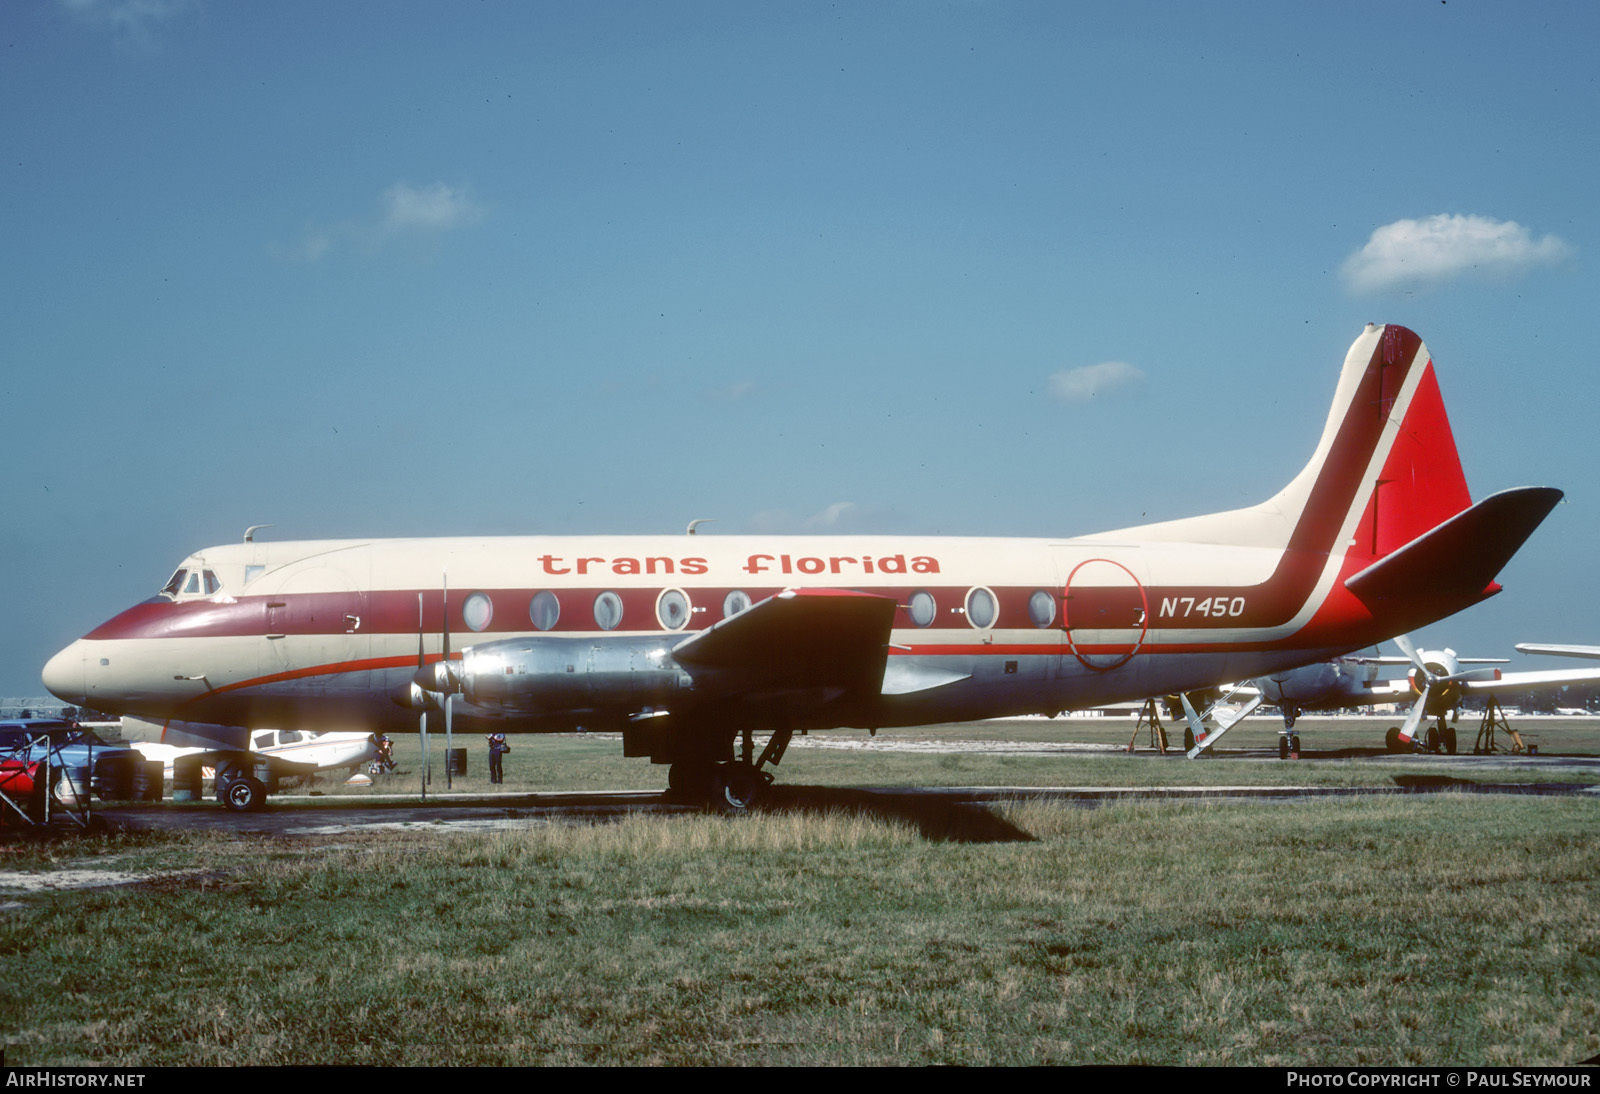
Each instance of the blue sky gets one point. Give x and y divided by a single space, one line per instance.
424 268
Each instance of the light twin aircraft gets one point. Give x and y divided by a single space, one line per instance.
272 753
1436 685
688 646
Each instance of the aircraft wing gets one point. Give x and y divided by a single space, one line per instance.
1534 679
831 639
1559 651
212 757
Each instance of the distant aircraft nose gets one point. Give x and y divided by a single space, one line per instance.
63 675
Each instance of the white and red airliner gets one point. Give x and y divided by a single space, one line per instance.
689 644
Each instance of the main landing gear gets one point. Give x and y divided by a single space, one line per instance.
1440 737
732 785
1288 740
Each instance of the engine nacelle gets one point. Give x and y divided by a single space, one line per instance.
552 675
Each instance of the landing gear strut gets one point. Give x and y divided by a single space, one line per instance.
728 786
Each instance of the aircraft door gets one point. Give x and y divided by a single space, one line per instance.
1105 612
315 632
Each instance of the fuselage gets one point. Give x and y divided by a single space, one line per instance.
325 634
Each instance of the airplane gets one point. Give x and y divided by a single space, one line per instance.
691 644
284 753
1437 683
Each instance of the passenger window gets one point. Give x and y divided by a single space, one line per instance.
544 610
980 608
923 608
478 611
608 611
1042 608
672 609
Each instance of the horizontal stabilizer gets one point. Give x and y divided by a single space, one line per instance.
1454 565
801 638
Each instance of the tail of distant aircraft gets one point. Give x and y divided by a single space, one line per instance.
1384 492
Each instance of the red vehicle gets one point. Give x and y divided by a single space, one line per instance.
22 788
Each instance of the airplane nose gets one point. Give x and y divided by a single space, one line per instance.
63 675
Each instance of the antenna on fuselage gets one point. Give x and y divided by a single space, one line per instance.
699 520
250 532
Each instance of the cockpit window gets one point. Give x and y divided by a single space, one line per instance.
188 582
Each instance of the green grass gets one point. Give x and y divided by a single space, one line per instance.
572 761
1449 929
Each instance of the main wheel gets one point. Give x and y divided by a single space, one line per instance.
1448 737
1188 740
1283 746
691 780
736 787
1391 739
244 794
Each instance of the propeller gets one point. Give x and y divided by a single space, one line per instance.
433 687
1435 682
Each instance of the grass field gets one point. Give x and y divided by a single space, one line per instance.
1445 929
572 761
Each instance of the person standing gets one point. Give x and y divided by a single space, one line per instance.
497 749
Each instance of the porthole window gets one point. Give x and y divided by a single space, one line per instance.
544 610
735 602
980 608
608 611
923 608
672 609
1042 608
477 611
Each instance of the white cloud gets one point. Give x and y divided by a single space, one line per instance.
733 393
132 21
436 207
1445 246
840 518
403 209
1079 385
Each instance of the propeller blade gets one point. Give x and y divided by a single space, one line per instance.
1407 648
446 674
1414 717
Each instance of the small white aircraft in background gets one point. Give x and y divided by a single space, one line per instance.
1437 682
288 753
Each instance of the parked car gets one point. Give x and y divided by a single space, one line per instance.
26 744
